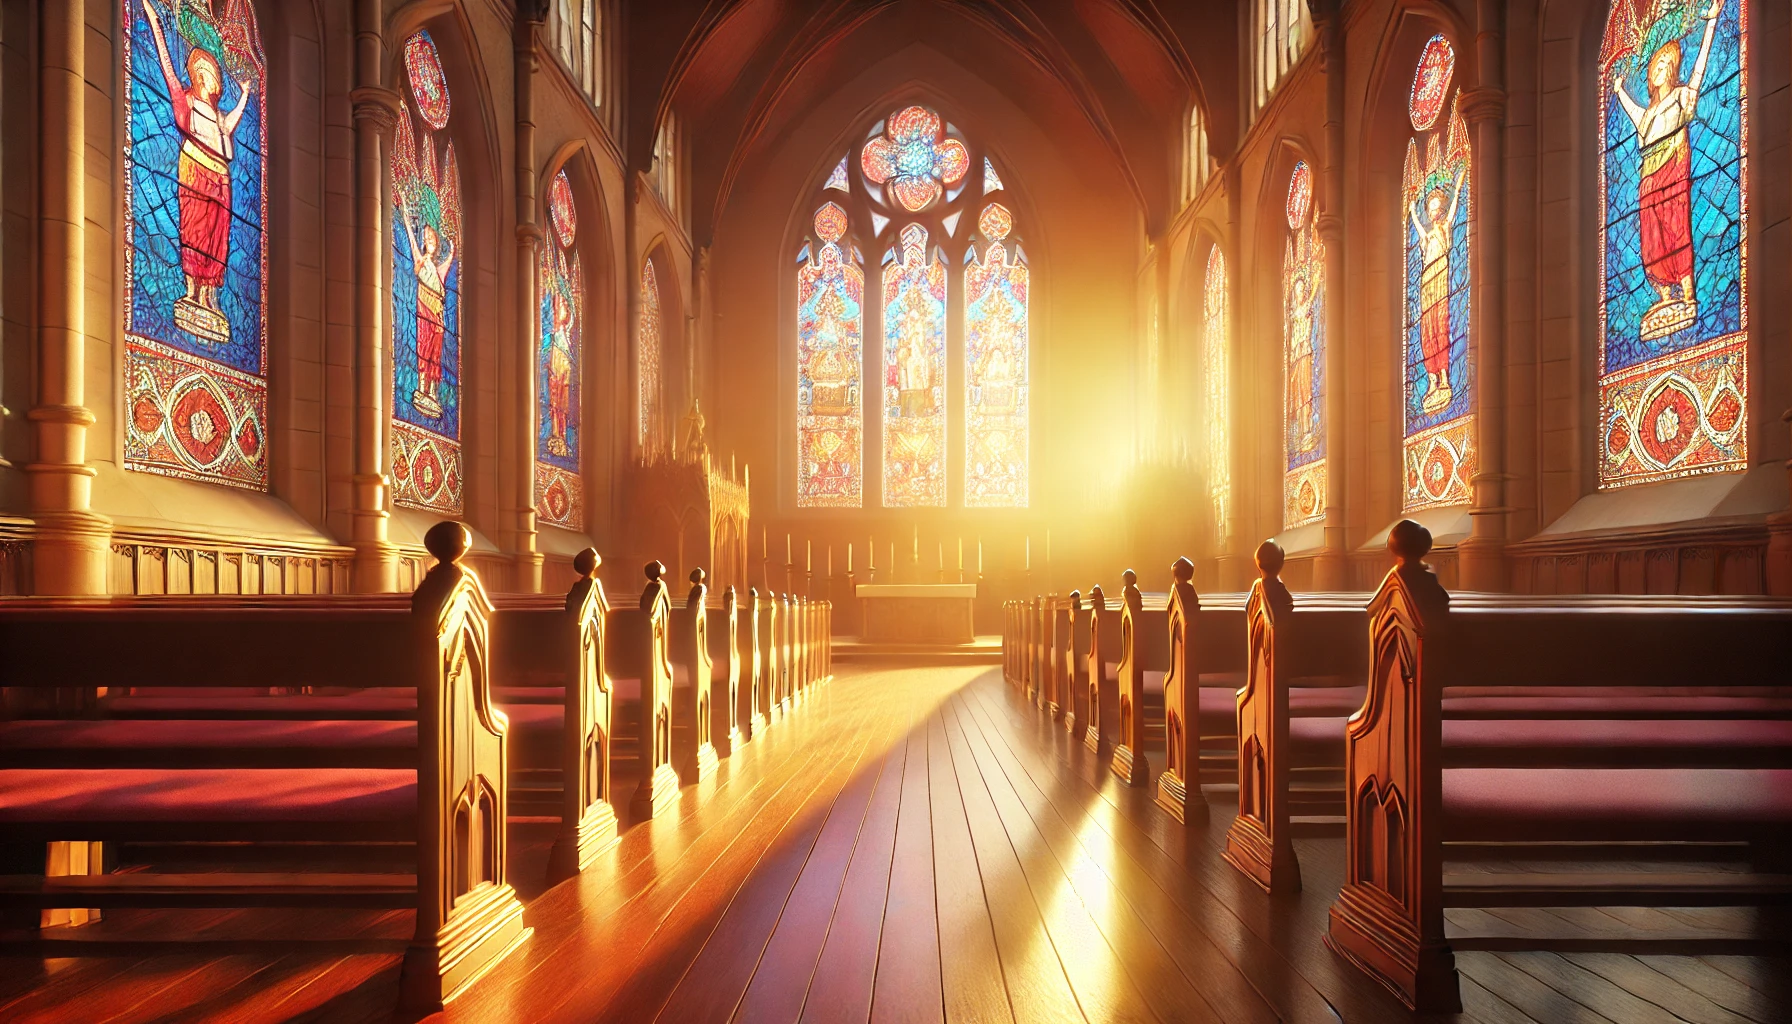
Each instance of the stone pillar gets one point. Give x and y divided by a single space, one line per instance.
1331 569
1232 567
72 544
376 111
529 16
1483 554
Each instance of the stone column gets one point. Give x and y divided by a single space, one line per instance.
1331 569
1232 567
529 16
1483 554
72 544
376 111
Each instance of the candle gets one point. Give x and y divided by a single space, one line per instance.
787 559
849 558
765 551
942 556
961 553
870 555
979 556
808 556
892 556
830 561
1048 548
1029 562
916 550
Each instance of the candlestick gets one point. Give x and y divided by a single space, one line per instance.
961 554
870 556
849 558
979 557
830 561
1028 565
808 556
765 551
942 556
787 559
892 557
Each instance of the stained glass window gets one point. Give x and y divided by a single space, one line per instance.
837 179
195 255
1216 381
991 180
1303 331
914 373
913 157
1673 306
426 274
1282 27
1438 398
995 368
830 419
559 494
574 28
649 347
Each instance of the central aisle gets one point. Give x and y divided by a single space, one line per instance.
922 845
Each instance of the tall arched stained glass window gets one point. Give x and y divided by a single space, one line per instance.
1438 397
995 366
1673 302
830 417
1303 332
559 494
1216 379
917 191
426 275
914 372
650 352
195 254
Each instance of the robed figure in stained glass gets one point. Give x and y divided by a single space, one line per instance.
208 144
1673 310
1302 270
1664 199
433 257
559 341
830 292
1433 216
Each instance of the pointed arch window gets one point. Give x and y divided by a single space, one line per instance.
1304 355
1216 379
1195 166
918 193
1282 29
830 296
559 494
1438 396
1673 299
650 353
575 29
426 275
195 249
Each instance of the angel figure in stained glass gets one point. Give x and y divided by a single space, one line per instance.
994 373
1433 217
560 338
914 366
1665 187
1303 415
433 257
206 150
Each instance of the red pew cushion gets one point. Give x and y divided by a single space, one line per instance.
34 795
1219 707
535 717
1614 804
1603 702
203 733
529 694
302 705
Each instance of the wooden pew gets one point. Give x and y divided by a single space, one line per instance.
732 720
755 679
1100 701
643 653
1182 681
693 668
534 640
451 802
1405 801
1076 705
768 656
1063 659
1144 646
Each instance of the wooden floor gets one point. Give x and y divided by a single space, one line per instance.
914 845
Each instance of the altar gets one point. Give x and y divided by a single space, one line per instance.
918 613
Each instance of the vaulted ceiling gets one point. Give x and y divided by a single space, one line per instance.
1123 73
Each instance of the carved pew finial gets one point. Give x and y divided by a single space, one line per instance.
1182 569
585 563
1409 543
449 541
1270 559
1130 579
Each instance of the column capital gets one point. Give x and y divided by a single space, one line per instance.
377 104
1482 103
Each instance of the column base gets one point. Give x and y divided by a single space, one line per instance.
1481 564
71 554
